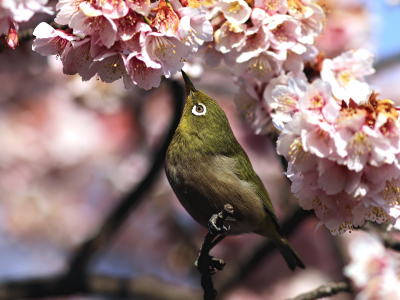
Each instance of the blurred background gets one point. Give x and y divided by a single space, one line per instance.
70 152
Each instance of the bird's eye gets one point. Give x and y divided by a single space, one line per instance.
199 109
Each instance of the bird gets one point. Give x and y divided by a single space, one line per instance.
207 168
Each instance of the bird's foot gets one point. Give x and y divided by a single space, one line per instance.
213 228
213 264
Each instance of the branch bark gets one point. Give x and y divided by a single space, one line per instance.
327 290
207 264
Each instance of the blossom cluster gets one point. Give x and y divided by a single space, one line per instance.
134 40
14 12
373 269
262 40
344 155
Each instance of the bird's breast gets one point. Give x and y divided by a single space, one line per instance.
204 184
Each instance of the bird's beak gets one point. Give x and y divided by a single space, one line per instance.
190 89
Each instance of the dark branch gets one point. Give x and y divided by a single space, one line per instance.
390 243
141 287
327 290
207 264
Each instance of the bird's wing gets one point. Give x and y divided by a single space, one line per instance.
245 171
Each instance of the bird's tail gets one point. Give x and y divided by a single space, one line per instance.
291 257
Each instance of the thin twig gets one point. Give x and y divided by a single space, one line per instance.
205 262
327 290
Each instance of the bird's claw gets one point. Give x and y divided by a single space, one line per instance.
213 228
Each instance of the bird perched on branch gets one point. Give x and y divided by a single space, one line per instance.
207 168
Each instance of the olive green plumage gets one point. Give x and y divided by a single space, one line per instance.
207 168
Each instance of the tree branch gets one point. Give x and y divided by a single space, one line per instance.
142 287
207 264
327 290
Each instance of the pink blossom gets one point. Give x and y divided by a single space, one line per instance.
295 62
285 33
346 74
272 6
13 12
262 65
373 269
50 41
312 26
78 60
141 75
12 38
90 20
235 11
335 154
166 50
165 19
194 28
229 36
250 101
140 6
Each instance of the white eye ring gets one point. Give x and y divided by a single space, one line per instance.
195 112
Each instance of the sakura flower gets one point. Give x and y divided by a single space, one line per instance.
373 269
235 11
129 25
165 20
166 50
13 12
230 35
287 98
335 153
300 9
109 66
140 6
285 33
262 65
346 74
312 26
78 60
22 11
90 20
141 75
272 6
249 101
295 62
50 41
194 28
12 38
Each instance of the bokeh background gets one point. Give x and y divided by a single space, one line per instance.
70 151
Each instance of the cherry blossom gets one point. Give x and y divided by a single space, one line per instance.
346 74
335 153
132 40
13 12
373 269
